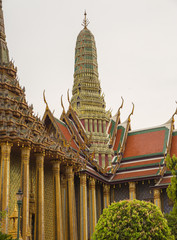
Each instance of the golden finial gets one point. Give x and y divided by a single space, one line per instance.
45 100
131 111
69 99
174 113
85 21
62 103
121 106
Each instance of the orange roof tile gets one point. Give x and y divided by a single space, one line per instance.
66 134
146 143
135 174
174 145
139 163
166 180
117 141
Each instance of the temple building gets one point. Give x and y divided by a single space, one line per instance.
87 100
71 168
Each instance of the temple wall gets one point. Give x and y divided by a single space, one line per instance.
121 192
88 217
77 196
99 199
167 205
143 191
48 202
15 178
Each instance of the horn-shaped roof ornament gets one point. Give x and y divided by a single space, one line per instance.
69 98
121 105
131 111
62 103
47 107
175 113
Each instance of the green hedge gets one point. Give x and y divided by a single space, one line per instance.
130 220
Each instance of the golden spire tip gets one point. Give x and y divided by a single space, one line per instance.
85 22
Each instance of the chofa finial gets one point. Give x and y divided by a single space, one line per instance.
62 103
85 21
45 100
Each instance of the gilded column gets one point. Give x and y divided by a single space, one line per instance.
97 157
109 159
103 160
132 190
106 195
92 206
39 219
99 126
99 208
58 228
71 203
83 208
86 125
25 156
64 200
91 125
104 127
5 182
157 199
95 125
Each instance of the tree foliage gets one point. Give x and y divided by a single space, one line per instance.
172 188
172 194
172 222
131 220
4 236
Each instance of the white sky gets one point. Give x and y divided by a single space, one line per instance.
136 45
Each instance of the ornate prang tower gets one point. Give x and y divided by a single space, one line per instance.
87 99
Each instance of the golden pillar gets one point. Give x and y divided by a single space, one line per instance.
99 126
97 157
104 127
103 160
157 199
86 125
132 190
5 182
83 208
64 200
109 159
95 125
106 195
58 228
92 206
25 156
99 198
71 203
91 125
39 218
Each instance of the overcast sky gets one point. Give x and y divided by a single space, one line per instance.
136 46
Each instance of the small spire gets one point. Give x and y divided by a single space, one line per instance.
85 22
4 53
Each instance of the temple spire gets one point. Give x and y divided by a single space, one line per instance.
4 53
85 22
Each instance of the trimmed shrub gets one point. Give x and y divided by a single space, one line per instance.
130 220
4 236
172 222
